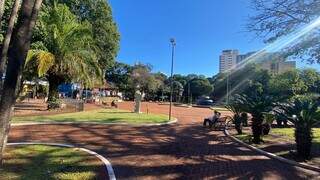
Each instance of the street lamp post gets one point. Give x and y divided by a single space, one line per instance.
228 87
173 43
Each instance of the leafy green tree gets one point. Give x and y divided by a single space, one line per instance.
66 52
288 84
311 79
200 87
104 29
119 75
163 91
295 82
273 19
177 90
144 80
304 113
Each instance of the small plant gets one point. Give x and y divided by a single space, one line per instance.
235 107
54 103
268 120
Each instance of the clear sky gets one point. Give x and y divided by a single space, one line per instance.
202 29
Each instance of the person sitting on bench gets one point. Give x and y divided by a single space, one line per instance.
212 120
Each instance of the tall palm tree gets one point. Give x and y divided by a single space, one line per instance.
66 52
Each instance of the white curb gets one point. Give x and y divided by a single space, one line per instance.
107 164
271 155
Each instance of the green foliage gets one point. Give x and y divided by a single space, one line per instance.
66 48
304 113
277 18
268 119
98 116
200 87
290 83
239 81
256 102
236 108
105 32
119 75
54 103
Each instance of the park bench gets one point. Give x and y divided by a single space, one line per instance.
222 123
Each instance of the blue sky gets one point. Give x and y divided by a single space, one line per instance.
202 29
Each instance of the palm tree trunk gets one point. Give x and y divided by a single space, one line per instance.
53 95
303 137
54 82
7 39
18 50
257 129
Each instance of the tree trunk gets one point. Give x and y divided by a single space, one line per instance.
2 2
17 53
257 129
53 96
54 82
303 137
7 39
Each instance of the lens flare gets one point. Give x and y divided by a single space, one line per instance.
291 39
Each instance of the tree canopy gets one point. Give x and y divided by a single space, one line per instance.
276 18
65 50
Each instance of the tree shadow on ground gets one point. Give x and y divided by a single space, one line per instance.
27 163
169 152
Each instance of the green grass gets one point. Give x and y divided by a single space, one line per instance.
32 162
219 108
289 133
97 116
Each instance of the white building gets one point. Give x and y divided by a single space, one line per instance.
228 60
273 62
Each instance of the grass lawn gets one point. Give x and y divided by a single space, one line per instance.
97 116
219 108
279 141
289 133
284 133
32 162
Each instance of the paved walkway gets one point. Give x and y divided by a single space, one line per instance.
179 151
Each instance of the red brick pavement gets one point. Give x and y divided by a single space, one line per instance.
180 151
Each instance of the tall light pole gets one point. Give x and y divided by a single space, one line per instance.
173 43
228 87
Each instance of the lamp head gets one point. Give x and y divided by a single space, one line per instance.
173 41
